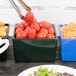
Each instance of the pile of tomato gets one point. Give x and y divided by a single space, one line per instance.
30 28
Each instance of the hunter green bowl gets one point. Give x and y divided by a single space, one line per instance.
34 49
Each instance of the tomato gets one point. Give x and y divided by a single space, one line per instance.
29 16
35 26
51 31
28 28
41 36
25 24
32 21
51 36
20 26
44 24
21 34
32 33
43 30
18 30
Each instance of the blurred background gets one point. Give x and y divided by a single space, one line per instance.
54 11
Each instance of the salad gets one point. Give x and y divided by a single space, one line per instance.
43 71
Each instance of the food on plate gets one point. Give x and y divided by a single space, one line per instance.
34 29
43 71
68 31
3 30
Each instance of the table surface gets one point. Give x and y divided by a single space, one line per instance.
12 68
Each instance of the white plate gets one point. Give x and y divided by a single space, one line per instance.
58 68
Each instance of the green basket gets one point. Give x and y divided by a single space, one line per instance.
34 49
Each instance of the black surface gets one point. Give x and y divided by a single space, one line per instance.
12 68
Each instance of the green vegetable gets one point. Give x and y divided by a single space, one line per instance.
30 75
43 71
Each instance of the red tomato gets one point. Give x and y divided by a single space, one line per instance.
35 26
28 28
44 24
51 31
33 21
25 24
41 35
51 36
32 33
18 30
20 26
42 30
29 16
21 34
